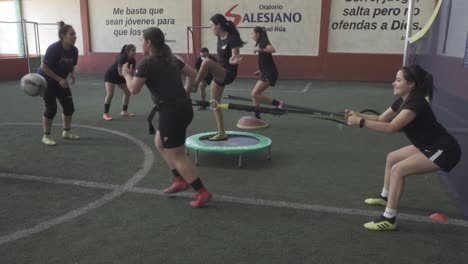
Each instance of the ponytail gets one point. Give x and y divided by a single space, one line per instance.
166 53
427 84
123 50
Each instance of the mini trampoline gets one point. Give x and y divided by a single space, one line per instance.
237 143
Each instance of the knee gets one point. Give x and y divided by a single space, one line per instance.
158 144
396 172
68 109
254 94
50 112
205 63
391 159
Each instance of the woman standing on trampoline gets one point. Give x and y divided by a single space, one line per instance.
161 71
114 77
432 149
267 69
224 73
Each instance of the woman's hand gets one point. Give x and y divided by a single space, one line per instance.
72 78
64 83
353 118
235 59
127 70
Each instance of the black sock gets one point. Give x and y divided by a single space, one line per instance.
66 129
176 173
275 102
384 198
257 115
391 220
125 107
47 133
197 184
106 108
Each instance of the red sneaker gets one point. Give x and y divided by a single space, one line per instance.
126 113
106 116
201 198
178 185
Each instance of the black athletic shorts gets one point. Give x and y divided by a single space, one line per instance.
111 78
446 155
174 118
228 79
269 76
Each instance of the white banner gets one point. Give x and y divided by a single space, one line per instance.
373 26
293 26
114 23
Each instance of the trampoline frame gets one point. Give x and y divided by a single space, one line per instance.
194 142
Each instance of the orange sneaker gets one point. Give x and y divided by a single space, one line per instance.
178 185
106 116
201 198
127 114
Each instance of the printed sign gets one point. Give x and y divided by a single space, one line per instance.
293 26
114 23
374 26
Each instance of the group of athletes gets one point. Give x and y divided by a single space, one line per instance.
432 147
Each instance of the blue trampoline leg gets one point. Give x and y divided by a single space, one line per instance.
240 160
196 157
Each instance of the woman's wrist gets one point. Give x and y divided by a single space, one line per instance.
362 122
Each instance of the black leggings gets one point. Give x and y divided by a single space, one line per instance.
53 91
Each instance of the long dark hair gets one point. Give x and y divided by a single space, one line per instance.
63 29
156 36
125 49
423 82
263 35
226 25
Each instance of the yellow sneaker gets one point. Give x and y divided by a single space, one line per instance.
47 140
219 137
381 224
376 201
69 135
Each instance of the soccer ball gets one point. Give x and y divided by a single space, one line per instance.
33 84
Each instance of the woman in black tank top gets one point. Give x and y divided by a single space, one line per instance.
432 148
